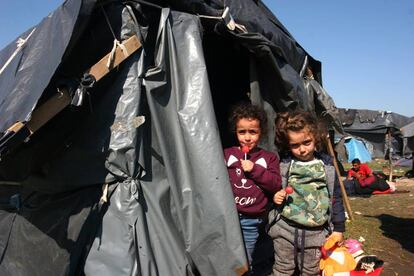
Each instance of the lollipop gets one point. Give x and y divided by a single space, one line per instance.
245 150
288 190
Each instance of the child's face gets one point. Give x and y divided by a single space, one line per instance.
302 144
248 132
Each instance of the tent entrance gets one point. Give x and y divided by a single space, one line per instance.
228 72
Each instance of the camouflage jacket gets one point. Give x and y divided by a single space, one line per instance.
336 209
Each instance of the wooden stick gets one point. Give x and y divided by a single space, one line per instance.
341 183
389 152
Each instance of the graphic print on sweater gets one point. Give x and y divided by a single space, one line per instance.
242 182
252 189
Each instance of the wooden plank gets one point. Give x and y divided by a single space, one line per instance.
48 110
100 69
59 101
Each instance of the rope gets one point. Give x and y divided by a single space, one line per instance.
109 23
116 42
228 21
112 53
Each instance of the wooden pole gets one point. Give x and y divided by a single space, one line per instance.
389 137
341 183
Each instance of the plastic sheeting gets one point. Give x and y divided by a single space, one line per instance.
372 126
49 233
45 46
408 139
321 102
148 132
357 149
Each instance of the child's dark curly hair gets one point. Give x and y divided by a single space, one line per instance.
248 111
298 121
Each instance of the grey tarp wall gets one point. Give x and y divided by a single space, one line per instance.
408 139
372 126
151 133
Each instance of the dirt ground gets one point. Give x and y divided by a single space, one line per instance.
386 222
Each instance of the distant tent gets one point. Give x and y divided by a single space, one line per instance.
408 139
357 149
372 125
351 147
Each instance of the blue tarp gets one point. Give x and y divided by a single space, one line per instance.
357 149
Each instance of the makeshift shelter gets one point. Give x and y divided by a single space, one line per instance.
373 126
408 142
129 179
408 139
354 148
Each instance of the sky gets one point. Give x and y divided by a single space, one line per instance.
365 46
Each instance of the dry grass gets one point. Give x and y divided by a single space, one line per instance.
386 222
381 165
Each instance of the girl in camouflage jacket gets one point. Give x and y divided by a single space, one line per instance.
302 220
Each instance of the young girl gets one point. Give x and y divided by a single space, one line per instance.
303 219
254 173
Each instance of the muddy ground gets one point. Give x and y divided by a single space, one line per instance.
386 222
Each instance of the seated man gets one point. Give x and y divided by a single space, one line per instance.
364 180
361 172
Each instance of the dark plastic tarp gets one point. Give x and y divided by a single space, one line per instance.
408 139
372 125
133 181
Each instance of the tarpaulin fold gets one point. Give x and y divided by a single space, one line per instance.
186 129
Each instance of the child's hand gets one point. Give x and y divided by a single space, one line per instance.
246 165
338 236
279 197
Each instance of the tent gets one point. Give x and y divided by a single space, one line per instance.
408 139
373 126
357 149
408 142
129 179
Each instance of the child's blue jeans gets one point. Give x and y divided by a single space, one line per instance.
250 229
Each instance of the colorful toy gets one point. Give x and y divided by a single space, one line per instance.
354 247
335 258
368 264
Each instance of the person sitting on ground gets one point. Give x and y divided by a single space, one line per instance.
361 172
365 181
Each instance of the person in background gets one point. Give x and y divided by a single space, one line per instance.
361 172
365 181
309 208
253 172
